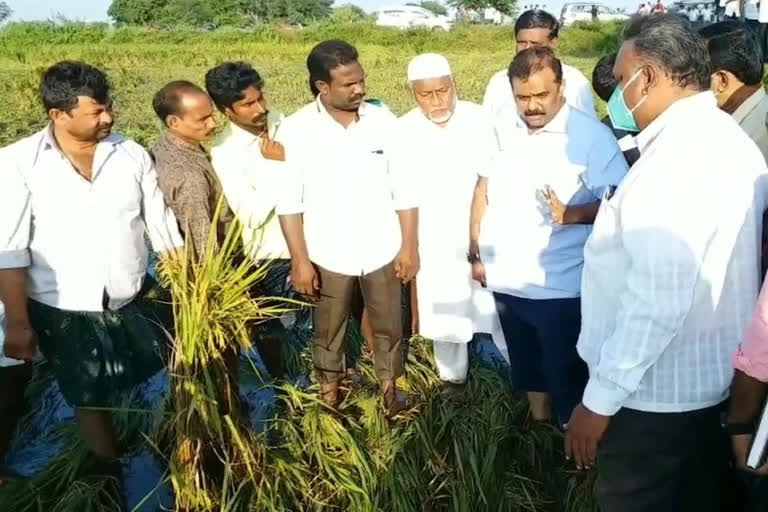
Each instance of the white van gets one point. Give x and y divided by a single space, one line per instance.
584 11
407 16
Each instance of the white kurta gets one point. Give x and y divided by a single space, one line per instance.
443 163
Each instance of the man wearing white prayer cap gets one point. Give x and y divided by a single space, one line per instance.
442 145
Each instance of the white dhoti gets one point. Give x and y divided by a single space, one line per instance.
444 291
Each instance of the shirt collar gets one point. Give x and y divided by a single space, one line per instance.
184 145
234 131
749 105
686 107
558 124
48 143
363 110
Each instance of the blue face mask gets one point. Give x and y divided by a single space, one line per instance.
621 115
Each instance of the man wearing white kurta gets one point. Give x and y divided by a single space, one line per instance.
539 28
527 245
443 144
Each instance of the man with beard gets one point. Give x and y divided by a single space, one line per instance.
184 170
539 28
346 220
75 204
530 220
249 164
431 151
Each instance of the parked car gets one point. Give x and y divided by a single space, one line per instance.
408 16
584 11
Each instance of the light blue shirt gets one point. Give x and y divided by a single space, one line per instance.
524 253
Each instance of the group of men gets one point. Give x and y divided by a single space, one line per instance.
623 256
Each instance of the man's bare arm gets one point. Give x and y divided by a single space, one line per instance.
407 259
293 231
581 213
747 397
479 205
13 295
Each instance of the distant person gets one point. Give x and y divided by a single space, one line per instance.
659 8
533 264
706 14
732 10
737 77
76 203
604 84
659 340
538 28
693 14
752 19
645 9
593 11
370 239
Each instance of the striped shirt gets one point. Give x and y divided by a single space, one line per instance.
671 270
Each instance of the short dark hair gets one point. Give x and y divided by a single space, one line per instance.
671 42
327 56
734 48
167 101
227 81
538 18
532 60
63 82
603 81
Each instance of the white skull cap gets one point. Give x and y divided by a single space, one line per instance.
428 65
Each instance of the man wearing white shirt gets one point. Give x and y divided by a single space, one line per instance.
249 165
539 28
431 148
344 217
670 281
737 77
76 202
530 220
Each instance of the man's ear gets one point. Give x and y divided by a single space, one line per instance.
554 42
721 80
322 86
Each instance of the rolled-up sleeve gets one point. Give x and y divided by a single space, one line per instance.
15 214
162 227
752 356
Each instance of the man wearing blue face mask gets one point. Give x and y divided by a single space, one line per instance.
670 279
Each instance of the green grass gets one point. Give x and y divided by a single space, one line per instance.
140 61
480 456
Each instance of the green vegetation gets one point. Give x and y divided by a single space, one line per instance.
480 456
141 60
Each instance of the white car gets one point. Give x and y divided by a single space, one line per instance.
585 11
408 16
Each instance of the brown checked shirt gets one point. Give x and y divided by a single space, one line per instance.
191 189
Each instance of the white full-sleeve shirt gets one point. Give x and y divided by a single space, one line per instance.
77 238
339 179
578 92
251 184
672 269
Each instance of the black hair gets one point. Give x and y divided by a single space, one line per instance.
671 42
734 48
603 81
532 60
538 18
325 57
63 82
227 81
167 101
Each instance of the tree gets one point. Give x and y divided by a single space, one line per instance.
435 8
5 11
503 6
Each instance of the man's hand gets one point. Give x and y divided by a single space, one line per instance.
478 273
20 342
556 206
740 445
272 150
585 430
406 264
305 279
